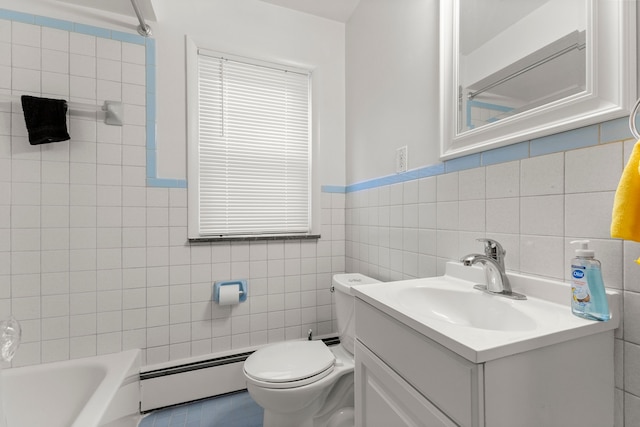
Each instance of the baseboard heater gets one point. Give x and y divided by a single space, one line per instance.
188 382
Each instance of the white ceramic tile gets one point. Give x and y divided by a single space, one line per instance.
25 80
588 214
448 218
133 73
109 174
25 193
5 52
25 216
81 65
472 184
109 70
82 173
55 328
25 239
631 409
19 129
82 346
134 176
55 306
109 216
109 49
595 168
109 154
632 368
133 53
25 34
411 192
53 38
82 152
631 268
542 175
134 134
448 244
472 215
542 215
109 343
82 195
82 44
82 260
447 187
81 238
82 87
109 91
55 61
26 57
542 255
632 318
5 77
109 238
55 350
503 180
55 172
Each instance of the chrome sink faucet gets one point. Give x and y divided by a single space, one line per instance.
493 263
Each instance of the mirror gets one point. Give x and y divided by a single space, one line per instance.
513 70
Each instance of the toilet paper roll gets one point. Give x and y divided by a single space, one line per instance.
229 295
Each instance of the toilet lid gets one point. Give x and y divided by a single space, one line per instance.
289 361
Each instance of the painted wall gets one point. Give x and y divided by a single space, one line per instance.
533 197
93 251
392 86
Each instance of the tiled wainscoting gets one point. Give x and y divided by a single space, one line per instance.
93 246
534 198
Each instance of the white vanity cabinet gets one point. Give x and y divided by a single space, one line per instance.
404 378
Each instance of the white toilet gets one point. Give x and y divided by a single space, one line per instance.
306 383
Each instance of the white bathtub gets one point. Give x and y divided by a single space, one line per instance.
102 391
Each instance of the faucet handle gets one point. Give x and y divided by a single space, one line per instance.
493 249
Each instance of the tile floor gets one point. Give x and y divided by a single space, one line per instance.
233 410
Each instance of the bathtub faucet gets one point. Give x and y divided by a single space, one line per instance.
10 334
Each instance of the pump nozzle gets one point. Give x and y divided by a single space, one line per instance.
584 250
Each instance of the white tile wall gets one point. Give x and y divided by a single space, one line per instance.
535 207
92 261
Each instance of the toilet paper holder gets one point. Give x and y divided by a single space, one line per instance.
242 285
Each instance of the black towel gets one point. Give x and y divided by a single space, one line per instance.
46 119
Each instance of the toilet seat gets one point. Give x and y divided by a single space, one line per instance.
289 364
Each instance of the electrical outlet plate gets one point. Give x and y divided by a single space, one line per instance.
401 159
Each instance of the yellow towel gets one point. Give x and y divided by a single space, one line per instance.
625 220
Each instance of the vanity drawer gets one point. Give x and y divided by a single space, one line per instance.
449 381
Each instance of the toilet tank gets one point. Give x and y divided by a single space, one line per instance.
342 284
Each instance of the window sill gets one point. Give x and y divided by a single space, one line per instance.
254 238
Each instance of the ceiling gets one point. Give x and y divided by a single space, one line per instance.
122 7
337 10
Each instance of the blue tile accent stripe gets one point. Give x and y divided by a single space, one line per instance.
150 64
602 133
424 172
462 163
570 140
506 154
333 189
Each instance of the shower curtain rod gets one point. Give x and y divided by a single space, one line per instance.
143 28
576 46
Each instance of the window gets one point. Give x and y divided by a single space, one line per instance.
250 149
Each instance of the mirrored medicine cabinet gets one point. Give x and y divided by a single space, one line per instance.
513 70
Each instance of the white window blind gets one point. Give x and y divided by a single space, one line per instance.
254 148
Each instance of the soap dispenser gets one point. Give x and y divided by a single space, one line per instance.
588 295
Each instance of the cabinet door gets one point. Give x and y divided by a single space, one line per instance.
384 399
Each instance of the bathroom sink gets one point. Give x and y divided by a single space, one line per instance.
471 308
480 326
